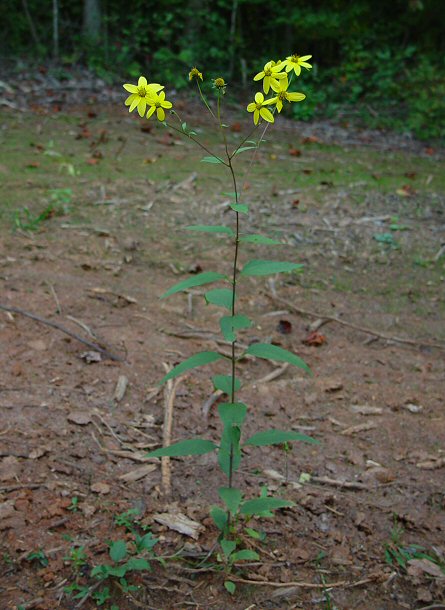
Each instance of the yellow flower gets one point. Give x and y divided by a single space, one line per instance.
220 84
195 74
140 94
272 75
283 94
258 107
294 62
158 103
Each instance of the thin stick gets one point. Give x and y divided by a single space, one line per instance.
297 583
379 335
62 329
170 394
55 297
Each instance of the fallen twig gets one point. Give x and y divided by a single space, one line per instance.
297 583
68 332
369 331
338 483
170 394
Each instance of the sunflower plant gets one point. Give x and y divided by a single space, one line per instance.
150 100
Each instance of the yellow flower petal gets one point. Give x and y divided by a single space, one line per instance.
305 64
251 107
166 104
305 57
142 105
266 84
259 97
296 97
155 87
259 76
134 103
142 82
267 115
130 99
297 69
150 111
279 105
256 116
161 114
130 88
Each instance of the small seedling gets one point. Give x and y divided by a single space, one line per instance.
74 506
38 556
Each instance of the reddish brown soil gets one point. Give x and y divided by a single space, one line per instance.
376 406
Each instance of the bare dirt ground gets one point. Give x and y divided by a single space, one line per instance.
365 214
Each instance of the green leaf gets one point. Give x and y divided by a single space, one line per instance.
146 542
240 207
230 323
211 159
196 280
184 126
275 437
219 517
222 297
260 505
245 555
229 454
211 229
232 413
231 497
199 359
273 352
118 550
192 446
230 194
230 586
253 533
228 546
258 267
242 149
260 239
224 383
137 563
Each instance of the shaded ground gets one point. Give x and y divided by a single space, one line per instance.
365 214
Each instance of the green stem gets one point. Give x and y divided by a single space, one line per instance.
204 100
180 131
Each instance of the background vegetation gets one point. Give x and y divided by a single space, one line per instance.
377 62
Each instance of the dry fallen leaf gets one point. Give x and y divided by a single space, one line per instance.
100 488
81 418
180 523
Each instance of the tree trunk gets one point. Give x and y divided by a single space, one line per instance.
91 19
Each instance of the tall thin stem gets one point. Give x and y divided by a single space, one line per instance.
234 274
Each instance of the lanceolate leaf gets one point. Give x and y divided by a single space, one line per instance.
273 352
219 516
240 207
260 239
194 361
211 229
211 159
231 497
275 437
230 323
260 505
193 446
224 383
232 413
222 297
118 550
196 280
258 267
242 149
